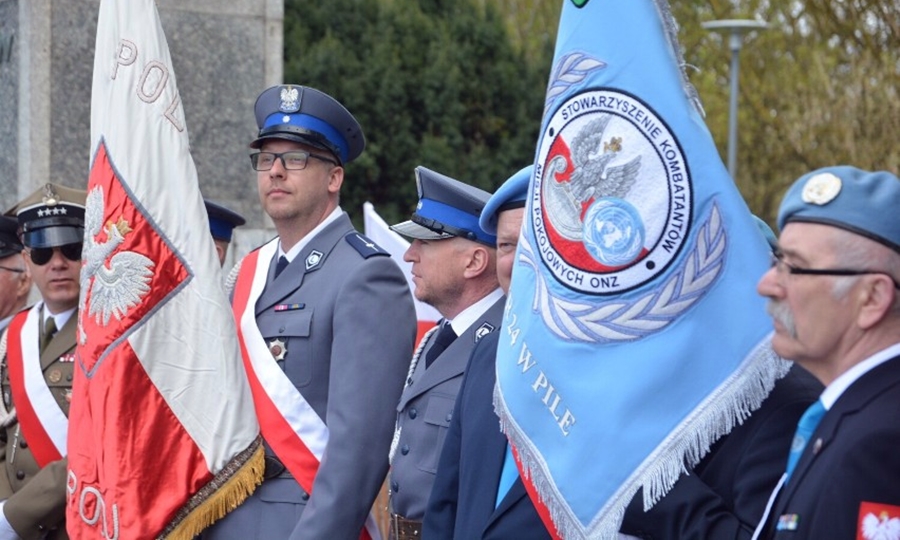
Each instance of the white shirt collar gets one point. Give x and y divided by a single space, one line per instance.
298 247
847 378
468 316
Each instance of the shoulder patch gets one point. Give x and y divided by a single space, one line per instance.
364 246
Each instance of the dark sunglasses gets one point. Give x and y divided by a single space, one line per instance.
41 256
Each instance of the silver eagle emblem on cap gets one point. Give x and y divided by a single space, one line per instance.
290 100
50 197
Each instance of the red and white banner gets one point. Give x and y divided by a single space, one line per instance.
379 231
163 439
44 424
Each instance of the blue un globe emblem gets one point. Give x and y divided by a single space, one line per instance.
613 231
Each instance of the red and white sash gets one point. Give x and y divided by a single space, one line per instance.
287 421
44 424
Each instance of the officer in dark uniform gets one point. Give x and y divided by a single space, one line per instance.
328 326
39 344
834 296
15 280
454 270
222 222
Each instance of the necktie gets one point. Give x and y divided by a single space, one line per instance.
805 428
49 330
442 340
281 265
507 476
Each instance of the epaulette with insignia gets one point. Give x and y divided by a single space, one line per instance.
364 246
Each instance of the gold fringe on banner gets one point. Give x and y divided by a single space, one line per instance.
234 483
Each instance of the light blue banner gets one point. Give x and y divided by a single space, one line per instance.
633 337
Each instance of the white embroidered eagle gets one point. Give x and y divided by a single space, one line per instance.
884 528
125 281
592 177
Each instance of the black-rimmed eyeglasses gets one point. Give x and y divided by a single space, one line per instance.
294 160
783 267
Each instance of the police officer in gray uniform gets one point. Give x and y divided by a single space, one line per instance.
454 270
329 324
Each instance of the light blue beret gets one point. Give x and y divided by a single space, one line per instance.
767 232
863 202
512 194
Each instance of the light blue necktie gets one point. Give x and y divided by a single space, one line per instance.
507 476
805 428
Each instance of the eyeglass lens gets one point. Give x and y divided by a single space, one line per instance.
41 256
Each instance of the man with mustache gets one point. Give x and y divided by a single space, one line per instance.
834 291
724 496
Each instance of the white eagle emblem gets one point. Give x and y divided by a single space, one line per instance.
592 178
883 528
290 100
122 283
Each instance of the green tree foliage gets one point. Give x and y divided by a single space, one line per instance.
818 88
458 86
433 83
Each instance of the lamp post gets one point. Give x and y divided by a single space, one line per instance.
736 29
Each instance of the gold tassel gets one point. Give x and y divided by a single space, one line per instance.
237 481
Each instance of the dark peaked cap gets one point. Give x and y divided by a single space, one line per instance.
51 216
9 239
306 115
222 221
446 208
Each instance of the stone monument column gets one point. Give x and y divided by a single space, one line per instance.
225 52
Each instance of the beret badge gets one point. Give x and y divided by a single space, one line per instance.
821 189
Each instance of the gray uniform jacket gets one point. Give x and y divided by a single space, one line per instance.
349 332
36 497
424 414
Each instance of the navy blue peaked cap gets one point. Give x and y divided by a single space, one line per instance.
446 208
306 115
222 221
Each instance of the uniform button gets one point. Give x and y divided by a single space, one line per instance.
305 496
20 475
281 330
23 443
69 378
409 381
404 449
413 413
449 416
395 487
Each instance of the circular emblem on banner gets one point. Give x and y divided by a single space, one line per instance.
613 194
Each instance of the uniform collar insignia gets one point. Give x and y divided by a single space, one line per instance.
483 330
315 257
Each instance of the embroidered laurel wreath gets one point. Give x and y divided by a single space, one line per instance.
632 319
